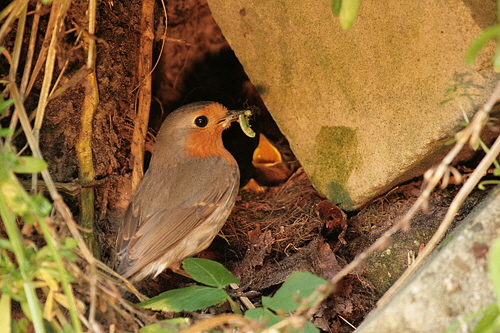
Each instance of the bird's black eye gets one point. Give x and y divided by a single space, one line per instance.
201 121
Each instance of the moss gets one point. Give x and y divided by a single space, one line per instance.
335 159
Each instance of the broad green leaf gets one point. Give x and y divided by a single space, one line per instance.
336 5
29 164
166 326
348 13
263 316
185 299
298 286
209 272
469 318
480 42
487 322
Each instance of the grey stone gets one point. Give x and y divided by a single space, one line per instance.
451 284
361 108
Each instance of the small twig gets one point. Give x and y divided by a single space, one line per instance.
215 321
433 177
346 321
448 219
243 299
59 10
144 94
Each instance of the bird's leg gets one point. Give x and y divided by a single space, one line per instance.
176 268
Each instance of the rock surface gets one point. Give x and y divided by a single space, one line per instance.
452 284
361 108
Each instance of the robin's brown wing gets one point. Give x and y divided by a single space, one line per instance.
164 190
147 235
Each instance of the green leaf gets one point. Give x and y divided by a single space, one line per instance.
496 58
14 197
268 318
166 326
336 5
445 241
22 326
5 313
5 131
348 13
5 244
494 267
487 322
4 105
29 164
450 142
40 205
70 243
263 316
208 272
298 286
445 101
185 299
480 42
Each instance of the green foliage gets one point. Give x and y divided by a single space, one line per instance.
346 11
336 5
209 272
488 34
191 298
269 318
5 104
195 298
489 320
23 267
489 316
166 326
287 298
299 285
264 316
494 268
457 92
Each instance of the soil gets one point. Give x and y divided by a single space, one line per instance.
289 227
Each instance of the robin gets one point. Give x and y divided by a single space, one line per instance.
185 196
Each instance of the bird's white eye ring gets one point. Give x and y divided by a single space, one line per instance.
201 121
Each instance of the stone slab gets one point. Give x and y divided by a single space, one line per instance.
361 108
451 284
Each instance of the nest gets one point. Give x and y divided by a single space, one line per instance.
287 212
277 233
